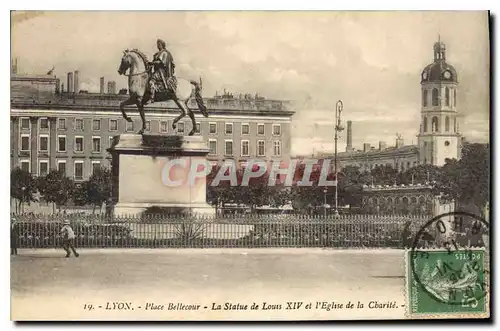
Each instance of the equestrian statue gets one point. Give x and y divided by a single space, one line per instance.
155 81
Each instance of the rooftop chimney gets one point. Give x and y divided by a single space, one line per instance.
349 137
366 147
77 81
14 66
70 84
112 87
382 145
101 85
399 141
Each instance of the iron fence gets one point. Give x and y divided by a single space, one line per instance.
346 231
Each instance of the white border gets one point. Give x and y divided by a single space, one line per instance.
222 5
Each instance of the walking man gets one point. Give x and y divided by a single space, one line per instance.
68 239
14 236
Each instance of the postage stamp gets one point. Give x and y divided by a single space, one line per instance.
452 281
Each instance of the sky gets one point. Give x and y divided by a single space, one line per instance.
370 60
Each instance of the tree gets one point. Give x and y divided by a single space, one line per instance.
384 175
306 197
350 186
23 187
55 187
421 174
80 195
99 188
467 181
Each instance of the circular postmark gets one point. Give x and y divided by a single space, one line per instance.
448 258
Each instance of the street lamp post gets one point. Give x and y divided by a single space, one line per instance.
338 127
324 198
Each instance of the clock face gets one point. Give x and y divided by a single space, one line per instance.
447 74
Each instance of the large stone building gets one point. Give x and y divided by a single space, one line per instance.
70 129
438 135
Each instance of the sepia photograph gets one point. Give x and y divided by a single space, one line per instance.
249 165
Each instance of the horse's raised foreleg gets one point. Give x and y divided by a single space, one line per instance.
183 113
127 102
140 106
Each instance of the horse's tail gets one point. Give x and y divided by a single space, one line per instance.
198 97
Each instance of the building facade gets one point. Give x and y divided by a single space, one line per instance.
72 132
438 134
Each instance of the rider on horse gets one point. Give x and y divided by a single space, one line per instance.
162 79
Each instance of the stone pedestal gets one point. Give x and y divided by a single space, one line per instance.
154 172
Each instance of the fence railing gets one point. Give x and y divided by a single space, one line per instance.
346 231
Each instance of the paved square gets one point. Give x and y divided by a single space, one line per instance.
45 285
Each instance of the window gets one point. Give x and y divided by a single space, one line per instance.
78 170
276 129
447 124
44 123
61 166
96 144
447 143
425 124
148 126
435 97
447 96
25 142
277 148
61 143
25 123
228 150
455 98
212 128
111 139
79 144
180 127
96 165
229 128
212 146
408 165
96 125
261 148
455 124
44 143
245 128
197 129
62 124
79 124
43 168
245 148
25 165
260 129
163 126
425 97
113 125
435 124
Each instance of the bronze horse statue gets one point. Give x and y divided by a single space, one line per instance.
139 75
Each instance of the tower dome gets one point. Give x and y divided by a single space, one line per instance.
439 70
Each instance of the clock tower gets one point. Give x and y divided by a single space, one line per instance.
439 136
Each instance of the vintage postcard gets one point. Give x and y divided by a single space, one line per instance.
250 165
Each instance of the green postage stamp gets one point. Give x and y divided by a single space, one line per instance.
446 282
450 281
